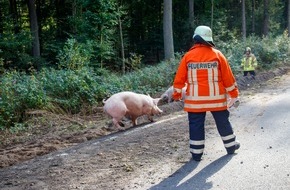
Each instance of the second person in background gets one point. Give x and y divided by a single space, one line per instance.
249 63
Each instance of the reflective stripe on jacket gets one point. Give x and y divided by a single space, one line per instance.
249 63
209 79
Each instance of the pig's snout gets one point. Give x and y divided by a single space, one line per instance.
164 97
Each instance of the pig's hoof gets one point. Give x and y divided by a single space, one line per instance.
111 128
120 128
121 124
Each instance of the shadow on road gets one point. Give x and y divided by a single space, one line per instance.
186 178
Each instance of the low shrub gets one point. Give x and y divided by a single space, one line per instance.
77 86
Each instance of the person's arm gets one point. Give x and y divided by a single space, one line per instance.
242 62
228 78
180 79
254 60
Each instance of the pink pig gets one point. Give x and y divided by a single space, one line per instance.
131 105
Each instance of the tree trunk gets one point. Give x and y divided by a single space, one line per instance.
1 20
253 16
14 14
191 13
34 28
244 29
266 18
40 19
288 18
122 44
60 16
211 20
167 30
74 14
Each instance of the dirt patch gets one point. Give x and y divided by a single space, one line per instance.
47 132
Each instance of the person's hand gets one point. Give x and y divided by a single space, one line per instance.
233 102
176 96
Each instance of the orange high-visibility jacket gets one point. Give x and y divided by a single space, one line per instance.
209 78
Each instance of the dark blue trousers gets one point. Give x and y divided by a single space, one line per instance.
197 132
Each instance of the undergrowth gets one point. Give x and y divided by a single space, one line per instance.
75 87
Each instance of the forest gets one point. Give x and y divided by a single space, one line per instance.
65 56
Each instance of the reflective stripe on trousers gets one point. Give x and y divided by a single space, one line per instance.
197 133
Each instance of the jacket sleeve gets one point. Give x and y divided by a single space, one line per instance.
242 62
181 76
228 78
255 63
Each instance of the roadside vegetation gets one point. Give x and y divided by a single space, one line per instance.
65 57
75 85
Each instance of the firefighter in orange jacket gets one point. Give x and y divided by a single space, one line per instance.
211 86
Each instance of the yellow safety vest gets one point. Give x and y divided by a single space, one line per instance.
249 63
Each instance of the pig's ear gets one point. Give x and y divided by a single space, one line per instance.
156 100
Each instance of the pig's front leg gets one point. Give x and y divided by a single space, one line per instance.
134 120
150 117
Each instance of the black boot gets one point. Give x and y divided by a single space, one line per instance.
196 157
234 148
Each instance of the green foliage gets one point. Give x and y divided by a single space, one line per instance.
15 50
75 55
269 51
148 80
1 64
133 62
69 89
99 23
282 42
19 92
78 87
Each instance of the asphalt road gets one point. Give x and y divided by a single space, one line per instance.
262 125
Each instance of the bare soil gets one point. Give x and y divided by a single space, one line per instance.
82 152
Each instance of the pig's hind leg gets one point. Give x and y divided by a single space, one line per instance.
116 122
117 118
150 117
